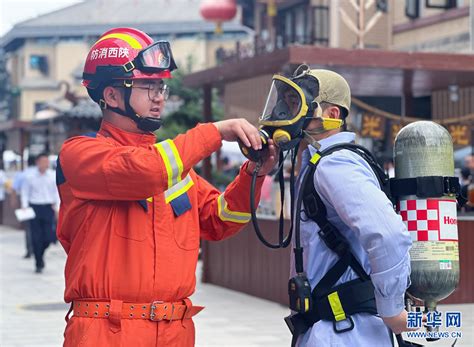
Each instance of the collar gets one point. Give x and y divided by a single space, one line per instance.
341 137
335 139
39 173
123 137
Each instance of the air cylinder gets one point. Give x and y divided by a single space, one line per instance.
424 150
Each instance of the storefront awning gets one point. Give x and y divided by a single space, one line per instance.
369 72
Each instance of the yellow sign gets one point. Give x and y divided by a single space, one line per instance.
373 126
460 134
271 8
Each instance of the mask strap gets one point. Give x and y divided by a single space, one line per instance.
294 155
310 140
301 71
281 181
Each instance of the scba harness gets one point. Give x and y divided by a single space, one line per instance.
326 301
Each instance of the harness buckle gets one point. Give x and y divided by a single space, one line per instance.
333 240
349 328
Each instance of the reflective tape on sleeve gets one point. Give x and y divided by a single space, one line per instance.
178 189
174 166
227 215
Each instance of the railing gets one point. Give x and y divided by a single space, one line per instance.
260 46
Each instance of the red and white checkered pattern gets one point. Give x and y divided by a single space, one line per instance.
421 218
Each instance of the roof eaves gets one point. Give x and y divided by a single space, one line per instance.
26 32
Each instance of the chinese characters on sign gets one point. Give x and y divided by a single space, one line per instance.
460 133
373 126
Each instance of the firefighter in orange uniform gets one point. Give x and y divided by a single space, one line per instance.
132 211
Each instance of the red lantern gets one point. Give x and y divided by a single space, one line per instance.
218 11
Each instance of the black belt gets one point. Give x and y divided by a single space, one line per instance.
356 296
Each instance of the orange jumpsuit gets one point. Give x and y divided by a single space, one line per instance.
132 213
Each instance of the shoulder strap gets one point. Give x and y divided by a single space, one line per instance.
316 210
382 177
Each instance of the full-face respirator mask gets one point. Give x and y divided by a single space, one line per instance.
289 108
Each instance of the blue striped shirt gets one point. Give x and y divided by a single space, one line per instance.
378 238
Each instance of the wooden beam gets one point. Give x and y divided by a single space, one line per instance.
369 71
382 59
241 69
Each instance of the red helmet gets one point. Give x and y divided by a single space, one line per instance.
127 53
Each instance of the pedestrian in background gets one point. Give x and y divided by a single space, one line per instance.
3 179
39 192
15 202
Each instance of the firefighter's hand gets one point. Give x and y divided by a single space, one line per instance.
398 323
240 129
269 160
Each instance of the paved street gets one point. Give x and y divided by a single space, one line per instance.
32 312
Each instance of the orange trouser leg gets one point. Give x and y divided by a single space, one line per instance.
176 333
93 332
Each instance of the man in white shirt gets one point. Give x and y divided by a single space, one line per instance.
15 201
39 192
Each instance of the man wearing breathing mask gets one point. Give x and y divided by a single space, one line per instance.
357 287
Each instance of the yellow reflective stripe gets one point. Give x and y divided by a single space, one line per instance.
315 158
172 160
166 160
178 189
124 37
336 307
150 199
177 159
227 215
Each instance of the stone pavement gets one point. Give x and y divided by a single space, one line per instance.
32 311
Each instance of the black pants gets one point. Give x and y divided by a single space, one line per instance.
41 228
28 242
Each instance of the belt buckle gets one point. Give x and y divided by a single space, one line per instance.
152 310
153 314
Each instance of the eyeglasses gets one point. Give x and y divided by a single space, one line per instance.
154 90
